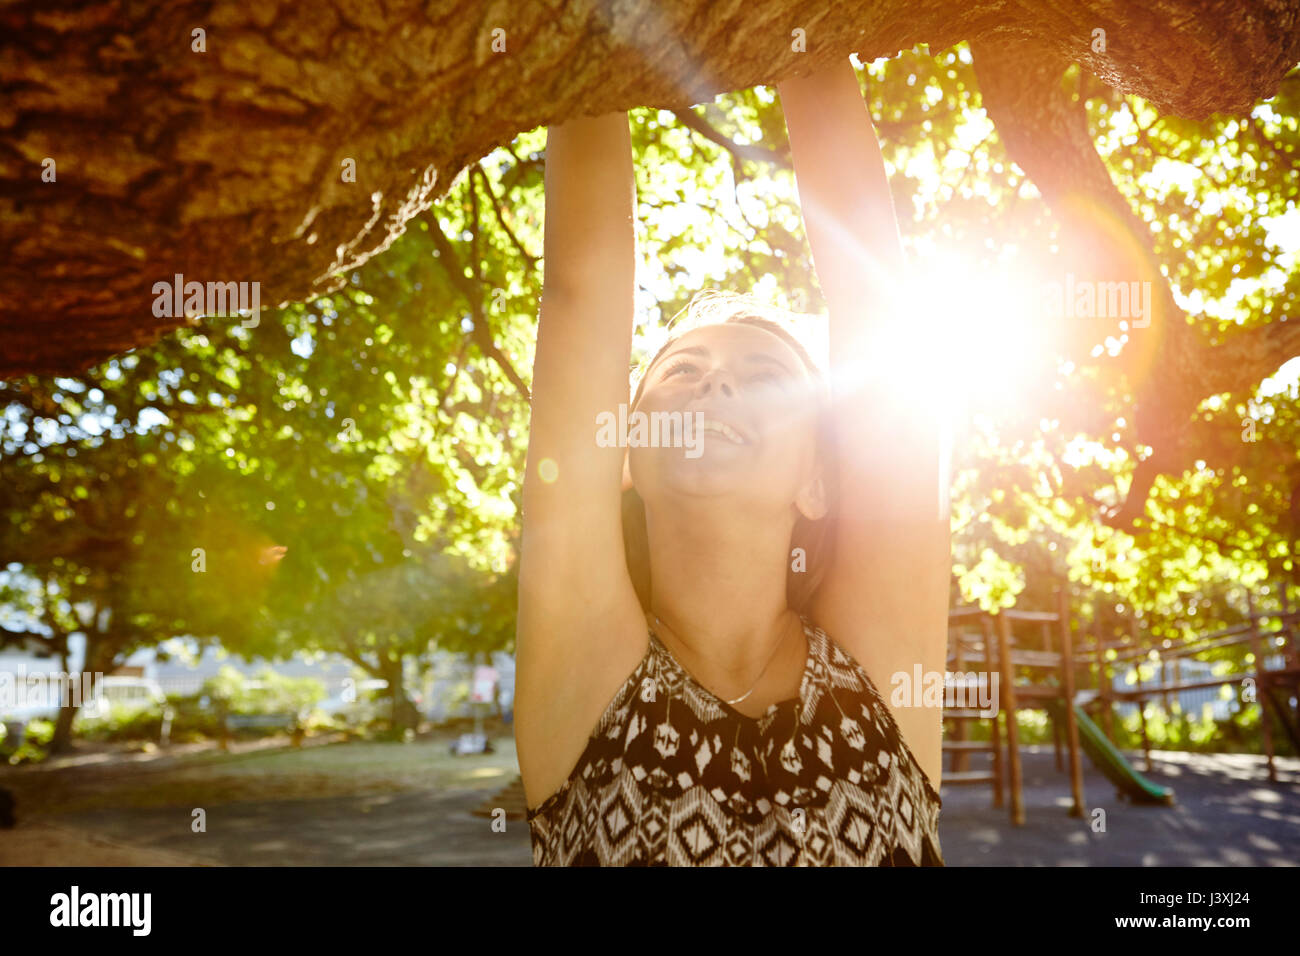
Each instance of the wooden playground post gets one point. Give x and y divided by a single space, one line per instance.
995 735
1046 630
1104 688
1141 700
1261 686
960 759
1071 725
1009 708
1288 627
1290 631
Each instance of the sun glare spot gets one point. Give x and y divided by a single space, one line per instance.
969 333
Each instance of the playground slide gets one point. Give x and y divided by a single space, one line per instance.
1110 761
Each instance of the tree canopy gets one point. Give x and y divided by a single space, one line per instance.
344 475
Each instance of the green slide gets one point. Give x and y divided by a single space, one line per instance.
1110 761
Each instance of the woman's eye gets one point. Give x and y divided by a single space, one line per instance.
673 369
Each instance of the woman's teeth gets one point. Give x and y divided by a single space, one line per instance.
725 430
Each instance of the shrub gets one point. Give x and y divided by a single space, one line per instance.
267 693
122 722
35 743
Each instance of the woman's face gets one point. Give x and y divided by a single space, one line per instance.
750 381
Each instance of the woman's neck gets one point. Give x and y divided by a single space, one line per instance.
719 585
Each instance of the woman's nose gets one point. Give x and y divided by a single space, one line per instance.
718 379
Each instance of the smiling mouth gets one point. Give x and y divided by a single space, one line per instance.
723 429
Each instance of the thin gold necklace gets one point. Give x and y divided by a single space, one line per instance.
760 673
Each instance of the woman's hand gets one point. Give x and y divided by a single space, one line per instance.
589 246
843 191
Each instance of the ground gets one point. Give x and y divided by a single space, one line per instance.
364 803
330 803
1226 813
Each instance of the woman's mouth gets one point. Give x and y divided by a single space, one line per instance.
723 429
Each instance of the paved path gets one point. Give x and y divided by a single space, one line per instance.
1227 814
419 828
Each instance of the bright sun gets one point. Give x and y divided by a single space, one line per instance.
966 335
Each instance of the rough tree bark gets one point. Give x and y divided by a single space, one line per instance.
225 165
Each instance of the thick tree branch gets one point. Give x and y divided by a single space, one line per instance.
302 138
1248 356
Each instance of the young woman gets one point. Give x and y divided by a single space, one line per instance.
701 637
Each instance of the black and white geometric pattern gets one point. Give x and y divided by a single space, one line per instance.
673 776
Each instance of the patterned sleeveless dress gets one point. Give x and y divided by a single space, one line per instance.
673 776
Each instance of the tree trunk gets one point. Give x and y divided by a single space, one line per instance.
136 150
405 715
61 742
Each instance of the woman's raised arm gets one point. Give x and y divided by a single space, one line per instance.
580 631
885 597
